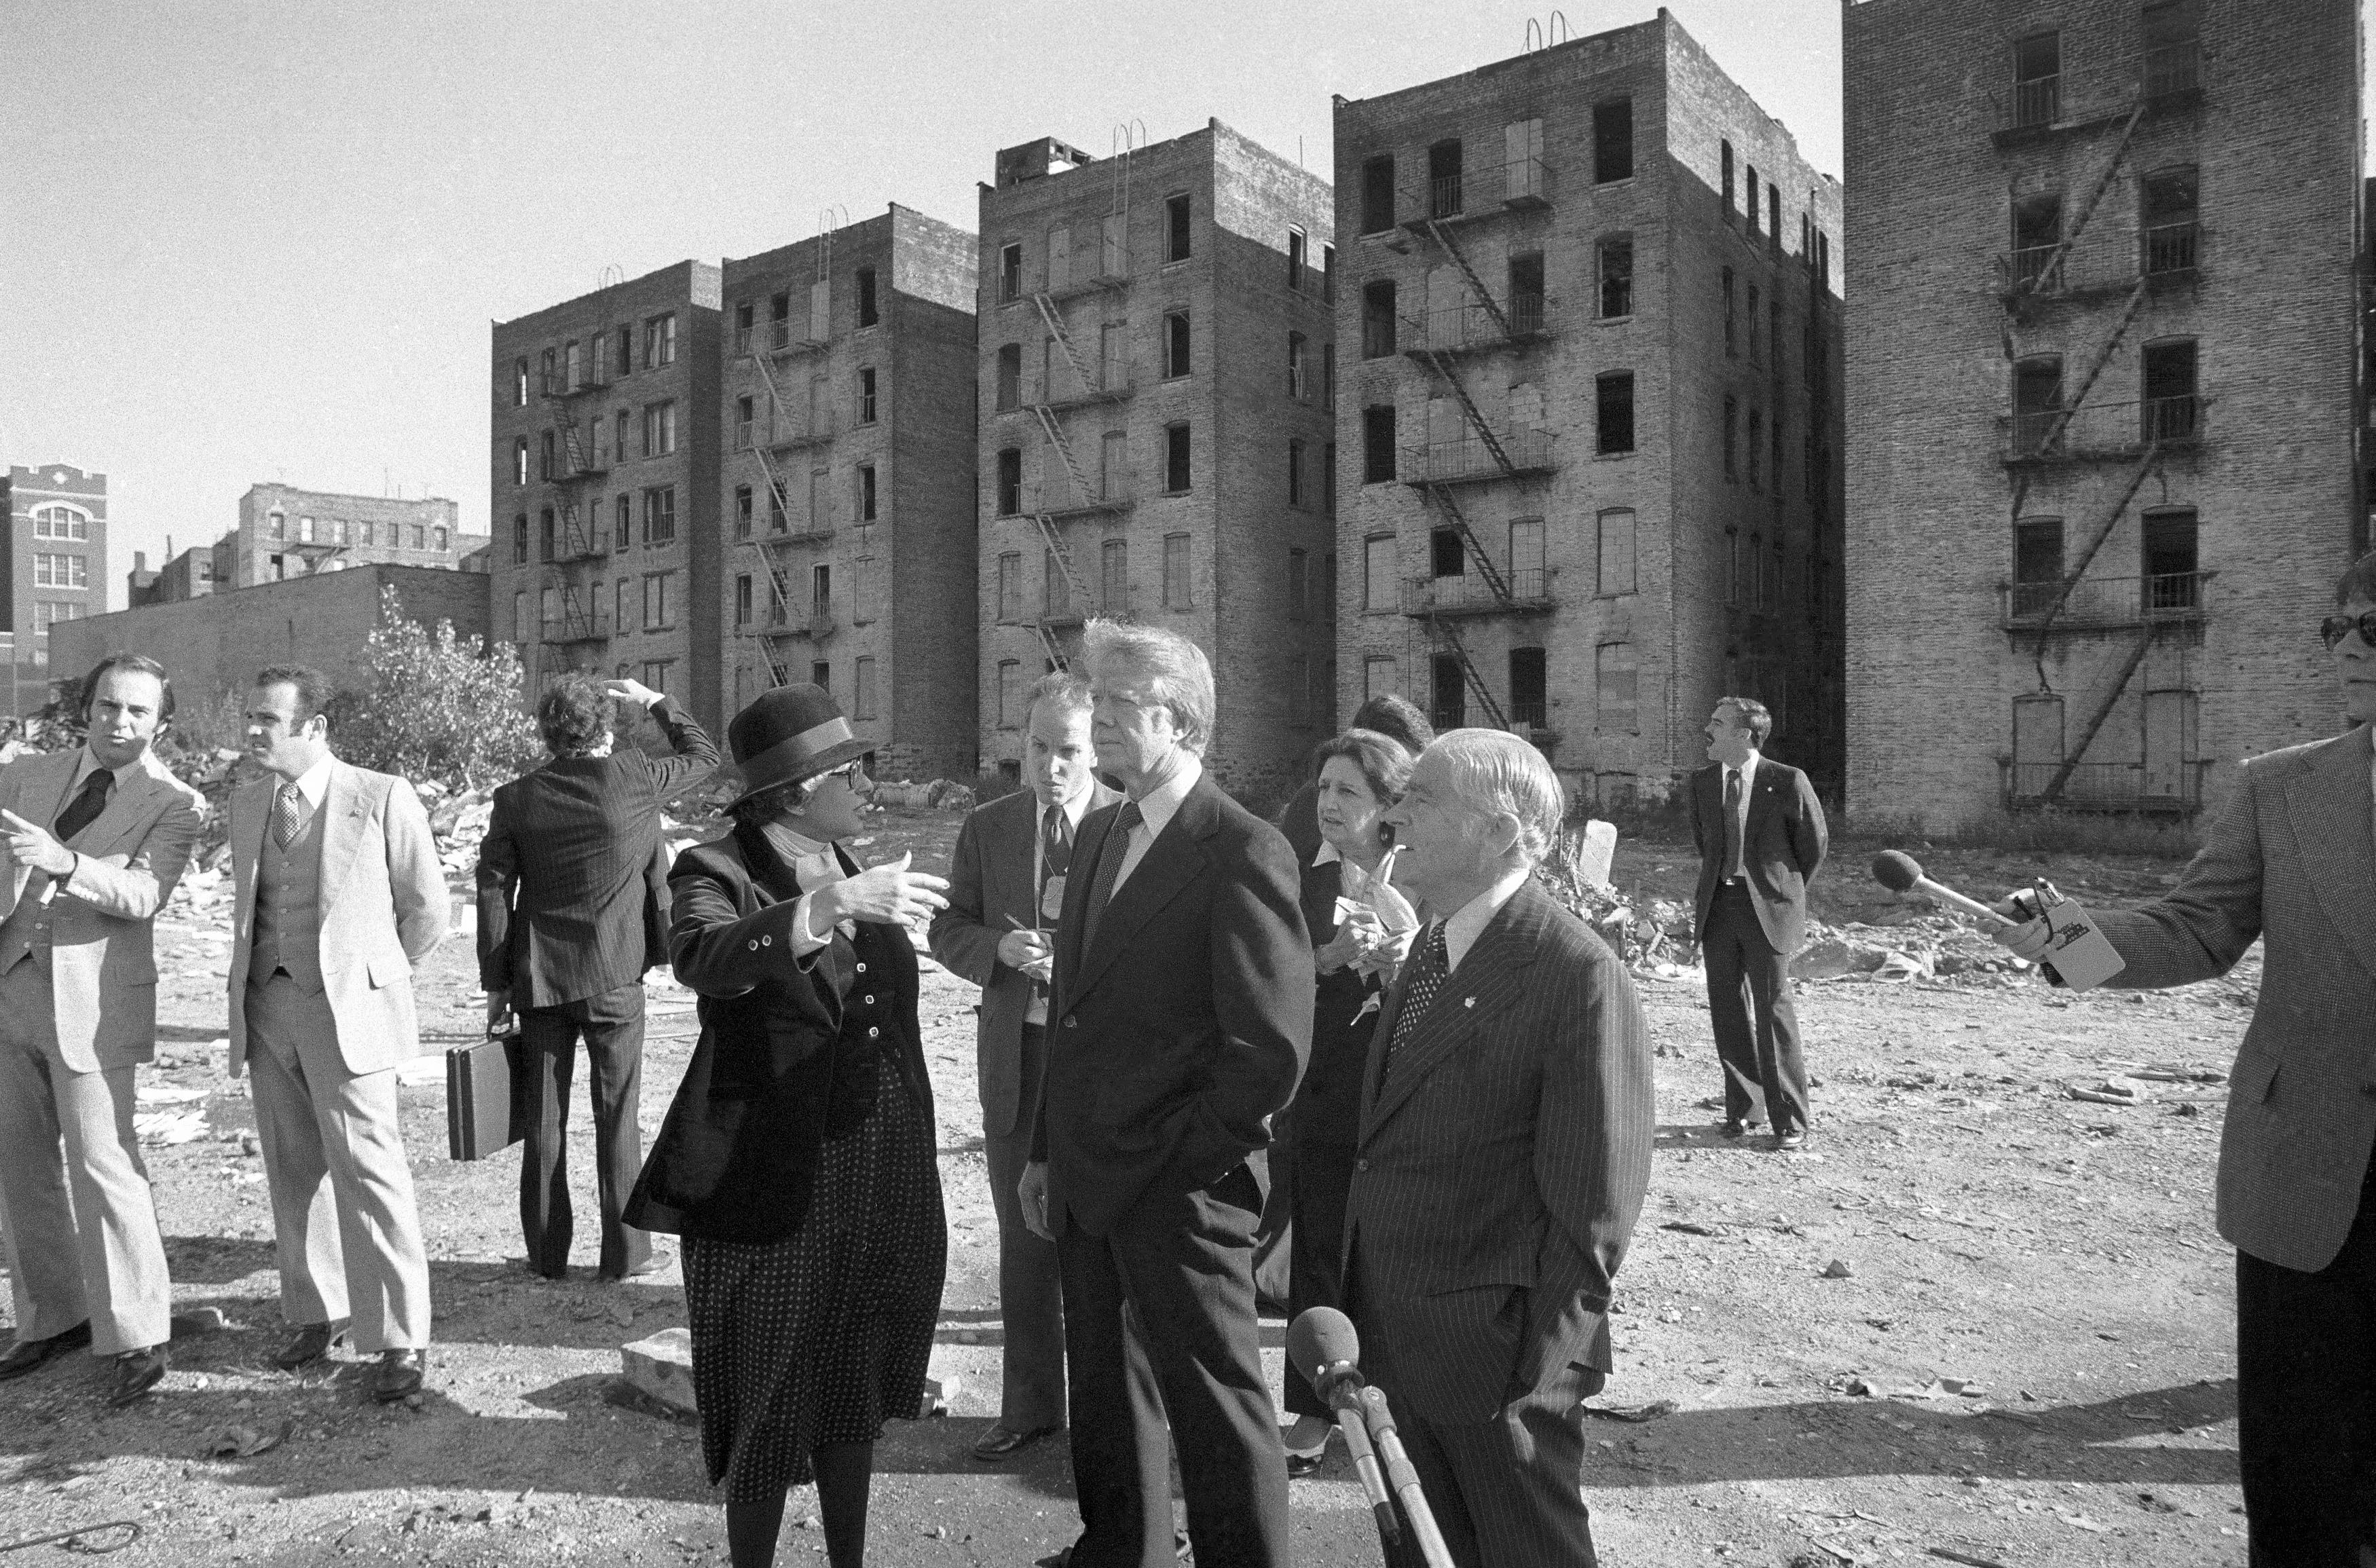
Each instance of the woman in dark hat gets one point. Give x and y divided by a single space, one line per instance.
797 1159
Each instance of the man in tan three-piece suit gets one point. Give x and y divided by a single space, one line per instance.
2291 860
1006 889
1504 1149
340 894
96 838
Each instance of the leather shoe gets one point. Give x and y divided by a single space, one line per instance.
658 1260
400 1374
137 1373
309 1343
1794 1139
28 1355
1740 1129
1063 1557
1004 1441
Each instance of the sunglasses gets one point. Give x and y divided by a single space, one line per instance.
2335 628
848 773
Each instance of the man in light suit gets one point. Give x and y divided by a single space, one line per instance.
1760 837
1006 890
96 836
2290 860
1506 1124
340 895
1179 1020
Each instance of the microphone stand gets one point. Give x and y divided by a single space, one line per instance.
1404 1479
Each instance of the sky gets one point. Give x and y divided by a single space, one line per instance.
257 241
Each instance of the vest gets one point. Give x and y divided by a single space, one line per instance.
289 903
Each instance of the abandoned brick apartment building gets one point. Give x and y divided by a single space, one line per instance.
1591 408
2102 362
55 568
1157 377
848 415
603 492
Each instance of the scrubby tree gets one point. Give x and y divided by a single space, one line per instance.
438 706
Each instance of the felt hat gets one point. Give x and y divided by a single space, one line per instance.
789 734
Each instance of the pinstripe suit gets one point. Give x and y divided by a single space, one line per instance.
1505 1153
573 908
2291 860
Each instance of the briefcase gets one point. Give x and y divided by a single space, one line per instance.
489 1097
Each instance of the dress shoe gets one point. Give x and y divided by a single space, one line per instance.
400 1374
27 1355
1741 1129
1004 1441
137 1373
1794 1139
1064 1559
658 1260
309 1343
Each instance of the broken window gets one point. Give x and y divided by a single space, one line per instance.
1010 272
2037 566
1010 481
2169 33
2037 232
2038 79
2037 401
1010 377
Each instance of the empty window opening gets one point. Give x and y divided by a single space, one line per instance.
1378 319
1378 444
2167 207
1612 141
1176 240
868 312
1175 458
1526 307
1377 195
1446 556
2171 406
1175 344
1614 409
2171 566
1529 689
1444 193
2038 78
1617 277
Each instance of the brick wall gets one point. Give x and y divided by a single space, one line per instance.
2273 132
32 490
318 528
215 642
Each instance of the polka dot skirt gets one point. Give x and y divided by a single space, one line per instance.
818 1338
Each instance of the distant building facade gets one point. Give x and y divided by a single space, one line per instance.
1590 414
55 572
285 532
604 458
847 484
1156 353
2102 362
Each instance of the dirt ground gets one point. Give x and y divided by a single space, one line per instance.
1977 1315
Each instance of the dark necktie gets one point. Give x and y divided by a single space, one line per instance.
1732 823
288 814
84 809
1056 861
1110 858
1433 967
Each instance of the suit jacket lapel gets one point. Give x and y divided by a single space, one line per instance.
1489 978
1764 797
39 793
341 813
2329 803
127 807
1171 861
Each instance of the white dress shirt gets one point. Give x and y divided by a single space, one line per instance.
312 785
88 765
1073 809
1468 921
1155 811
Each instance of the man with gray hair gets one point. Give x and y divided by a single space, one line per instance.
1179 1020
1506 1124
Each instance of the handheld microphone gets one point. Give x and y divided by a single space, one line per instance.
1323 1340
1321 1344
1901 872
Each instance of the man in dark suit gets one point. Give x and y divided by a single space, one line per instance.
1180 1019
571 913
2290 862
1760 837
1006 891
1506 1125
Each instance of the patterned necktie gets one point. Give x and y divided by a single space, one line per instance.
1434 967
1110 858
1732 823
84 809
288 814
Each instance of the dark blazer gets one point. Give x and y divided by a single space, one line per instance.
1781 851
1174 1039
784 1062
1327 1110
2290 860
990 882
1503 1160
573 892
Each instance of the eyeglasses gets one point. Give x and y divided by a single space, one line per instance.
848 773
2335 628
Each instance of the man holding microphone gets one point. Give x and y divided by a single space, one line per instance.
2291 861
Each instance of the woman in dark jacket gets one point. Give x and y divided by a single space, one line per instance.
1359 775
797 1159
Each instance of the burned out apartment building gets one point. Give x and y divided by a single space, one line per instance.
2101 357
848 411
1157 387
603 492
1587 478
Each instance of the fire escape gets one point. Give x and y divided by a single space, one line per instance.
1439 339
2152 621
570 610
774 623
1107 381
